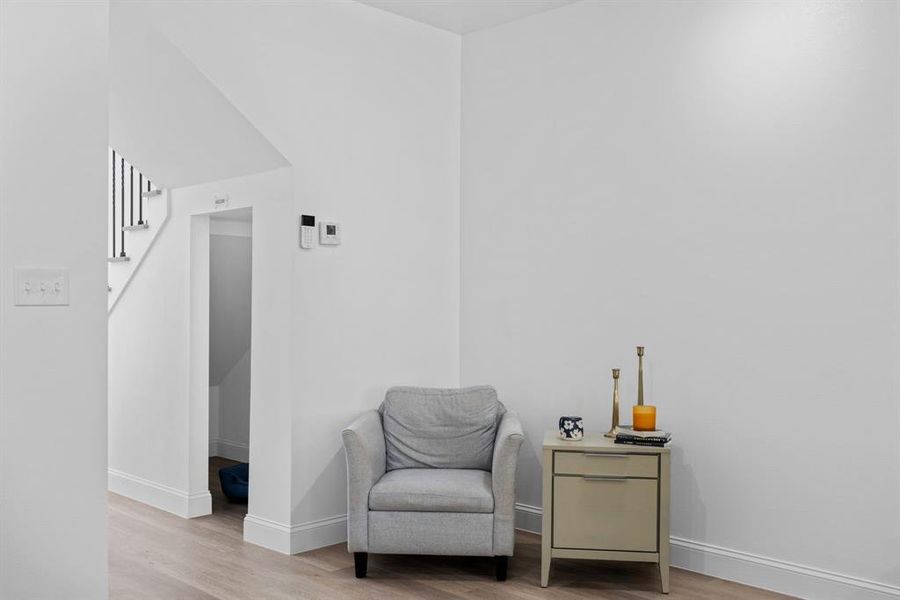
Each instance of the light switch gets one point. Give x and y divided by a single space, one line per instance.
41 287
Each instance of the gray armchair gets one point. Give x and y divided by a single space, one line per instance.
433 471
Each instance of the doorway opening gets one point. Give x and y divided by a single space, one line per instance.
230 285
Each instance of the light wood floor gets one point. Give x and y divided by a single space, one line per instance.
154 554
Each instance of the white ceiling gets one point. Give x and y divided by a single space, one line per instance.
465 16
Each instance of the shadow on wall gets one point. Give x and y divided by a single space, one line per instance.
529 462
332 529
331 482
181 132
685 488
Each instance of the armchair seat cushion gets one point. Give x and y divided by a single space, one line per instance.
433 490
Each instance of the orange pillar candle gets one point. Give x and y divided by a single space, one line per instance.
644 417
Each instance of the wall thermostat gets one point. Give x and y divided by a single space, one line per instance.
329 233
307 231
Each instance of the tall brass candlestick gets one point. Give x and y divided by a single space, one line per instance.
640 351
615 414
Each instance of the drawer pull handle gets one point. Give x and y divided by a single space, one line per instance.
596 478
601 455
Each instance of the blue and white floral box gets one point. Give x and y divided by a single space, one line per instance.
571 428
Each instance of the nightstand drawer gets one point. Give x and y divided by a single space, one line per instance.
620 465
595 513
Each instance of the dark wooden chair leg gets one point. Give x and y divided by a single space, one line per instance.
502 567
360 563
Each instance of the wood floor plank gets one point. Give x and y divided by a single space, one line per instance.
156 555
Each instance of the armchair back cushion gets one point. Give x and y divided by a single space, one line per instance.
440 428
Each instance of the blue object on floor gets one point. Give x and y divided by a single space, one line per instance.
235 481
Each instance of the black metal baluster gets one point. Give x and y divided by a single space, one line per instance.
113 203
122 177
140 198
131 195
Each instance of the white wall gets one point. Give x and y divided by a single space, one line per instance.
230 255
229 403
53 134
718 182
159 357
214 411
229 302
167 118
365 106
716 175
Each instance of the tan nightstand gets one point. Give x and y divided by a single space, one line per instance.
605 501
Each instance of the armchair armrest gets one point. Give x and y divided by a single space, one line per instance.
364 446
503 479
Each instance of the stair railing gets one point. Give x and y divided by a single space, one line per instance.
119 207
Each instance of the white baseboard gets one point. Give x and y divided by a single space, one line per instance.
199 504
528 518
303 537
238 451
318 534
294 539
268 534
775 575
757 571
160 496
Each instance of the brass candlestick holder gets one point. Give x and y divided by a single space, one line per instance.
615 413
640 353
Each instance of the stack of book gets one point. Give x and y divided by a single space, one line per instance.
627 435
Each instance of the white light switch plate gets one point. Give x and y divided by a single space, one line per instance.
41 287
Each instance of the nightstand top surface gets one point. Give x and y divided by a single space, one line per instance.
597 442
